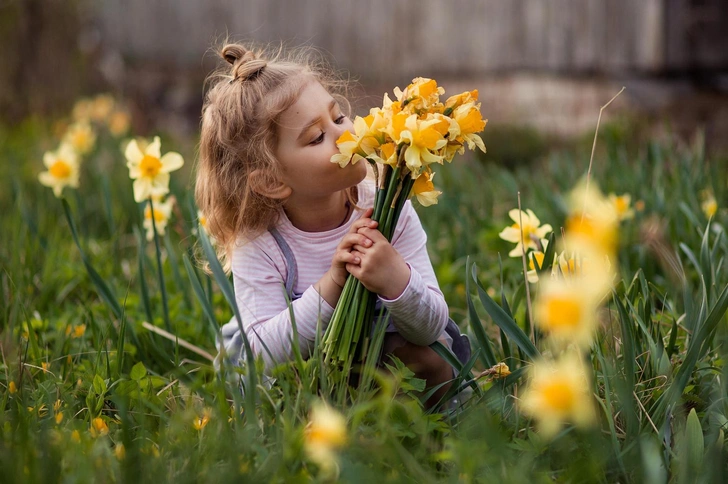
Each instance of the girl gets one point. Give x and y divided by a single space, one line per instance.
288 221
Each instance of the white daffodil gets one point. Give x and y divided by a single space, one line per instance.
62 169
149 170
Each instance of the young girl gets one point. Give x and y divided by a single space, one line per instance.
288 221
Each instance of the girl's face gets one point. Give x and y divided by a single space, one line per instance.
307 137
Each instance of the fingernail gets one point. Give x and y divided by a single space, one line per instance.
356 259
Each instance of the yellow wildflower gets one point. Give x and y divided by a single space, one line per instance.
57 405
149 170
12 388
81 137
593 221
59 418
75 436
709 206
558 392
162 214
325 432
532 229
470 121
119 123
62 169
621 204
200 421
79 331
423 140
424 189
566 310
120 451
101 107
45 365
98 427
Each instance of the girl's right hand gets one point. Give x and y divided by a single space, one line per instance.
343 255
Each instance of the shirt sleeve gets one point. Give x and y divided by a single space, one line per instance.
258 276
420 313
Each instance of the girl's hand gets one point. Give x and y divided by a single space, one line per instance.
381 269
343 257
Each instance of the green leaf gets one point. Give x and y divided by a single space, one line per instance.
507 324
99 385
487 355
138 371
694 442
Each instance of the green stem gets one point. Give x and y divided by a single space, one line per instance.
162 286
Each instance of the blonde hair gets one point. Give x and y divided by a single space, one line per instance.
239 135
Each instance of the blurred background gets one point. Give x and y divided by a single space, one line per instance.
543 67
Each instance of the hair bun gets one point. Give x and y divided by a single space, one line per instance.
245 63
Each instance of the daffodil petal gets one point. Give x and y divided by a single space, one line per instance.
133 154
171 161
155 148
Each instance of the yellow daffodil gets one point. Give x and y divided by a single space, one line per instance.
558 392
119 123
350 150
81 136
388 154
534 257
12 388
470 122
79 331
621 204
62 169
149 171
200 421
423 140
101 107
421 95
325 432
460 99
424 189
98 427
709 206
592 222
363 142
162 214
82 109
566 310
532 230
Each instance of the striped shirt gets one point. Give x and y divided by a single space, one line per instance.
419 314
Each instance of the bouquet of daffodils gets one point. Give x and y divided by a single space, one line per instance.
401 140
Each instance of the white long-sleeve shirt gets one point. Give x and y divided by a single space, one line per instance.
419 314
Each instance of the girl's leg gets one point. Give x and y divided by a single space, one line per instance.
423 361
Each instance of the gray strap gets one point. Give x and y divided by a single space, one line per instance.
292 272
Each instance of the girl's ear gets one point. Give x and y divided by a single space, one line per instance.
263 183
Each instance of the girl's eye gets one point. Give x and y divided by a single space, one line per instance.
340 119
318 140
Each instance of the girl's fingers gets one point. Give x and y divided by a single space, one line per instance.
350 240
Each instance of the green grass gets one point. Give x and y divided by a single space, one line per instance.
659 377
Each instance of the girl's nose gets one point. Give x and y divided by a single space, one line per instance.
347 125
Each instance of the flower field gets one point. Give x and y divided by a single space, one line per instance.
596 315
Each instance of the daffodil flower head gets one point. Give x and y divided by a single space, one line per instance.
566 310
422 94
119 122
162 214
81 136
622 205
149 170
423 140
458 100
558 392
424 189
324 434
63 169
592 220
709 205
470 122
528 223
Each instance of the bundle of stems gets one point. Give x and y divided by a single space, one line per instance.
348 335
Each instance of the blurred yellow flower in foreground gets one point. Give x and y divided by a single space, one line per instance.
200 421
558 392
98 427
709 206
325 432
532 229
62 169
12 388
76 436
593 221
162 214
622 205
566 310
424 189
120 451
149 170
79 331
81 136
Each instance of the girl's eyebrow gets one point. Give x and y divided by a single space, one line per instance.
315 121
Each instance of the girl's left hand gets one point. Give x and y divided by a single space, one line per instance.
381 269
